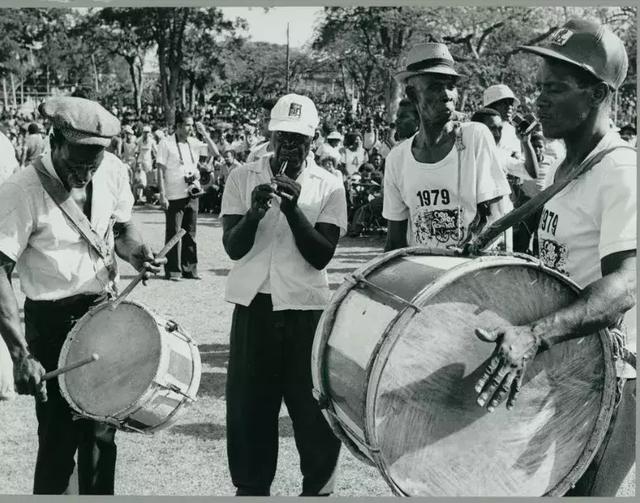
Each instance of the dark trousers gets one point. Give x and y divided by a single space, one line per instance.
616 455
270 360
182 214
59 434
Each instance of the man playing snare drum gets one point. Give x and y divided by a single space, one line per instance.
62 277
587 232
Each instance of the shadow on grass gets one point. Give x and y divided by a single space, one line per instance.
220 272
212 384
216 355
211 431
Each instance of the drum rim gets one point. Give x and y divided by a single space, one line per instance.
113 418
406 314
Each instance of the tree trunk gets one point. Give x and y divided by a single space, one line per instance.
131 62
392 96
169 114
140 88
343 81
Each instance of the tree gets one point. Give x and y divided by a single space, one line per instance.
168 27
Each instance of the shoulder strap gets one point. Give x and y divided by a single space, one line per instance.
76 217
486 237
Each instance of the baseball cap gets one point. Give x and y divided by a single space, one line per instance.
81 121
127 129
431 57
294 113
496 93
146 129
590 46
334 135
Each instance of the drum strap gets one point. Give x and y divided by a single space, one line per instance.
79 220
493 231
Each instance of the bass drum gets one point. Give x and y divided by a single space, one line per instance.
148 368
395 361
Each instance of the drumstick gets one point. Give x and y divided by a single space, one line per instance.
71 366
170 244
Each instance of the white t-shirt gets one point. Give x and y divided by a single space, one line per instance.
353 159
594 216
274 263
8 161
427 193
509 140
178 167
53 260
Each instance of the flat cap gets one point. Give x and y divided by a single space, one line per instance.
81 121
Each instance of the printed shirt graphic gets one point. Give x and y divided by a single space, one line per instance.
591 218
427 193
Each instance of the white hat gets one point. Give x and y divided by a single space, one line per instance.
496 93
334 135
146 129
431 57
296 114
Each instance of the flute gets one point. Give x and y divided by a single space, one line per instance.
283 167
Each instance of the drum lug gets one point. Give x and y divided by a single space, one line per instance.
321 398
175 389
171 326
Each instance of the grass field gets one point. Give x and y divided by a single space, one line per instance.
190 459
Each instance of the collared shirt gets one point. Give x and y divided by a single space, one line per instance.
592 217
179 164
53 259
274 263
509 140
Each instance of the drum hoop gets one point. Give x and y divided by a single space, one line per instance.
112 419
405 315
318 376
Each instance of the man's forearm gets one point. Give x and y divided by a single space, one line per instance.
239 239
530 159
598 306
213 148
127 239
10 327
312 245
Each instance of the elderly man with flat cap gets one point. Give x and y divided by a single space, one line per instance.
282 216
587 232
444 183
63 275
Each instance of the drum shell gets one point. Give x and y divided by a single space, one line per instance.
347 375
173 383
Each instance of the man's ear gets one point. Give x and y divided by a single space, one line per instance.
600 93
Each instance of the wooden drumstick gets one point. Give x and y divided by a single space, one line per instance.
71 366
170 244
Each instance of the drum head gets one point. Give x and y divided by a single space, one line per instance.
128 344
435 440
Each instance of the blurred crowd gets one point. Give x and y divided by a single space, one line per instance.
352 142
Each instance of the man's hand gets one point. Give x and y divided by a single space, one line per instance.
27 375
291 188
142 258
260 201
164 202
200 128
515 347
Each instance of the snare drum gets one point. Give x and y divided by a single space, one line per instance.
148 368
395 361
